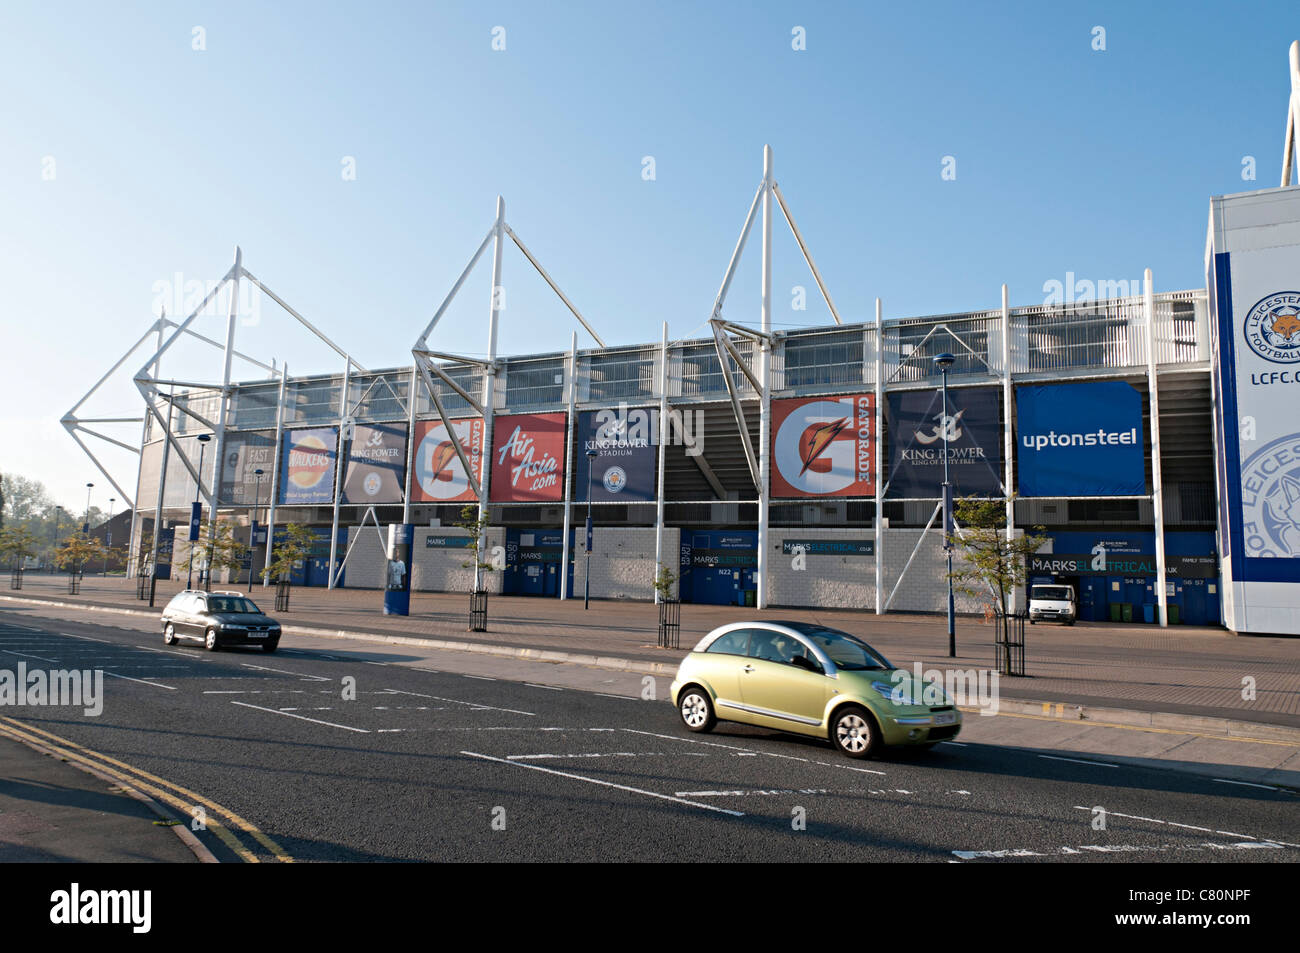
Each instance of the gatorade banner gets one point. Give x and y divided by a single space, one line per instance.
919 429
307 470
625 467
1080 440
376 471
527 458
439 475
824 446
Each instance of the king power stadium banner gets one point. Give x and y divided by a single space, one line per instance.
824 446
918 427
376 471
1080 440
625 468
307 469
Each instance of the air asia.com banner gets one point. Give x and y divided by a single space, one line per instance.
307 470
439 475
625 467
376 471
1080 440
824 446
527 458
917 428
243 456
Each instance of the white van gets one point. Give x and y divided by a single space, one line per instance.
1052 603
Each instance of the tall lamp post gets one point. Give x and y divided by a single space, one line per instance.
252 531
943 362
198 488
108 532
58 526
85 527
586 577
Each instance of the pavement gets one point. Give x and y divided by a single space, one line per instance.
53 812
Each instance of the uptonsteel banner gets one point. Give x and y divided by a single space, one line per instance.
376 471
917 430
244 454
307 467
528 458
625 467
824 446
1080 440
439 475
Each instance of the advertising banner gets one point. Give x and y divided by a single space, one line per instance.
625 467
918 428
244 454
376 470
439 475
1080 440
528 458
307 469
824 446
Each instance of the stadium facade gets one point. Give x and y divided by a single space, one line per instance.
1148 436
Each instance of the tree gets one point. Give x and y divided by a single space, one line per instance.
992 561
221 551
17 543
476 527
664 580
77 550
295 546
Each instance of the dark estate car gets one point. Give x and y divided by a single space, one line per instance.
217 619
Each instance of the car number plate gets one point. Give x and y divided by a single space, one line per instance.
946 718
257 635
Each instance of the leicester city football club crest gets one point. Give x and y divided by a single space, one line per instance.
615 479
1270 499
1272 327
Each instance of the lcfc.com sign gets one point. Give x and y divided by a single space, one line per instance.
1080 439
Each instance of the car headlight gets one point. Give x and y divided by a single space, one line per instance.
896 694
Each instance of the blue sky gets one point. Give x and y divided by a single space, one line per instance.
164 157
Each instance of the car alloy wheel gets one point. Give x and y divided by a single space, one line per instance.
696 710
854 733
210 642
169 635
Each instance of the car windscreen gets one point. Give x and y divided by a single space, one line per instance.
231 604
1059 593
848 653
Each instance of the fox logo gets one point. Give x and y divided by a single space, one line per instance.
1286 323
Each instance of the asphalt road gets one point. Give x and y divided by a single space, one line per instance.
420 764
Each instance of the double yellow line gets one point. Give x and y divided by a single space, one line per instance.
183 799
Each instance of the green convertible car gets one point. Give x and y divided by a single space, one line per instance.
811 680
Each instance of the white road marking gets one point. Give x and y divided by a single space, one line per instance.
1111 849
69 635
607 784
317 721
626 698
170 688
1096 764
28 655
549 688
606 754
368 662
481 678
1189 827
955 744
760 792
749 751
280 671
457 701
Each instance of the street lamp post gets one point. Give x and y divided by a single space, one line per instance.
58 527
252 531
108 532
85 527
943 362
198 488
586 579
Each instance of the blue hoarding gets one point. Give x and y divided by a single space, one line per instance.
1080 439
